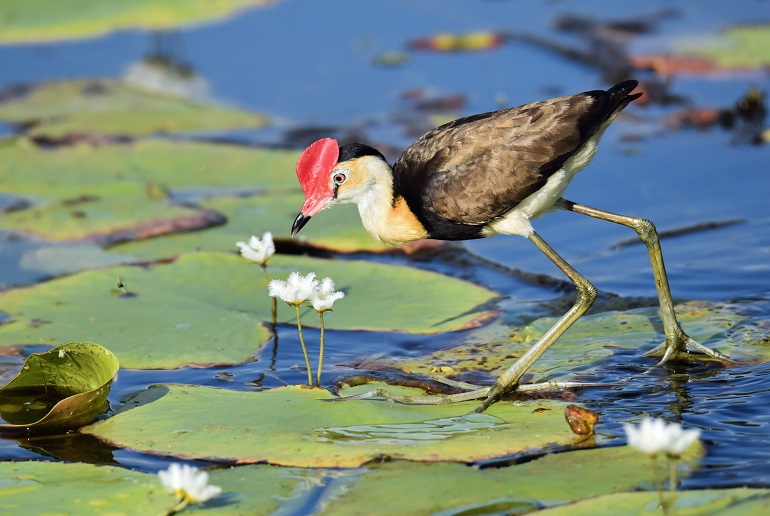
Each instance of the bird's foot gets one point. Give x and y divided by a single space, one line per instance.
676 347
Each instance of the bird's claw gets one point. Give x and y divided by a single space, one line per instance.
677 348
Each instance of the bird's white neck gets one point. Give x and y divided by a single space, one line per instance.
384 217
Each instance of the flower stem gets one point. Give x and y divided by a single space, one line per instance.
304 349
672 481
275 301
179 506
662 502
321 354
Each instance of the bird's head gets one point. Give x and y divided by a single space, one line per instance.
332 174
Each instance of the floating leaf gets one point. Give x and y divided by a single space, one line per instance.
103 214
108 193
206 308
593 337
741 47
180 166
56 488
472 41
294 426
109 107
40 20
524 488
723 502
61 389
339 229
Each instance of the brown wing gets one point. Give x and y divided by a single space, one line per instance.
475 169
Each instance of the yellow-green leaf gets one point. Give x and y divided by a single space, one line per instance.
61 389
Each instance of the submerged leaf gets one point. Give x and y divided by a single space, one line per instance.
63 388
591 339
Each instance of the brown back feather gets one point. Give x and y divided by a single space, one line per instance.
475 169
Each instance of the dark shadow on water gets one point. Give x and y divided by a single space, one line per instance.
72 447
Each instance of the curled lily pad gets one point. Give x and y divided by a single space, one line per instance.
63 388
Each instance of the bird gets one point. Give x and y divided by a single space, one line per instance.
485 175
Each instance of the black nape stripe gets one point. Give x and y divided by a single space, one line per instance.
358 150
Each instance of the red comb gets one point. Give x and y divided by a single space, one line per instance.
314 165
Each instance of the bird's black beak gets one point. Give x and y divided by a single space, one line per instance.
299 223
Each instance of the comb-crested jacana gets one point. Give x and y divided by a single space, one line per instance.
485 175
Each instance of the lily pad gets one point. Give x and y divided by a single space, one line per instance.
111 192
109 107
40 20
206 308
61 389
495 347
721 502
54 488
446 488
103 213
173 165
741 47
115 192
294 426
339 229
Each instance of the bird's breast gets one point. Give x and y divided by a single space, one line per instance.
394 224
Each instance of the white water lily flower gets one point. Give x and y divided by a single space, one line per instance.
188 483
258 250
653 436
324 295
296 290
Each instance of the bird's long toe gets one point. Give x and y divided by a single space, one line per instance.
677 348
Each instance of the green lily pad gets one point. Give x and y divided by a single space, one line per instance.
716 502
114 192
293 426
40 20
103 213
339 229
109 192
206 308
174 165
61 389
445 488
746 46
110 107
62 488
495 347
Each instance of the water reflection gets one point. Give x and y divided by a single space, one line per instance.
165 68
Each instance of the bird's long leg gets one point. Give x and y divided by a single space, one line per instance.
677 340
586 293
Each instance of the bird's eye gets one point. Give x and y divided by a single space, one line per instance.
339 178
